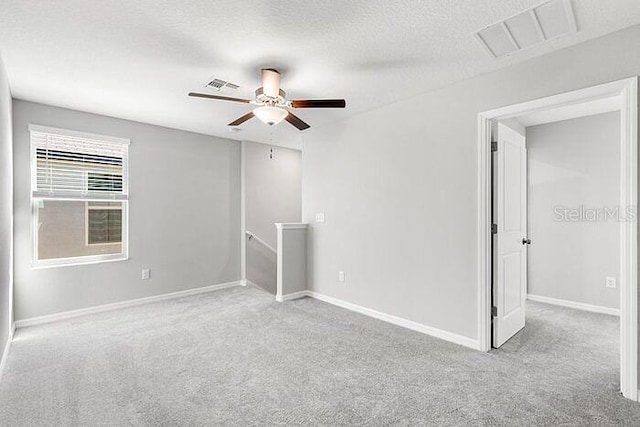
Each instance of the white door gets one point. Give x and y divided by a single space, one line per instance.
510 241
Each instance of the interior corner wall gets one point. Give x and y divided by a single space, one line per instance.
399 188
6 209
573 168
184 216
273 193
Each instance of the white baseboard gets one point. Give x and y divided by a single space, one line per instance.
292 296
399 321
573 304
130 303
5 351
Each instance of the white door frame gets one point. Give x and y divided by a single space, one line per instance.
628 89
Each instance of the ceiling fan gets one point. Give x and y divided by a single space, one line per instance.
271 104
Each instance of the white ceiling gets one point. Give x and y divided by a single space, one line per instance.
138 59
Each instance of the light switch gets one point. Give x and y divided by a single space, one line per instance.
341 276
146 273
610 282
320 217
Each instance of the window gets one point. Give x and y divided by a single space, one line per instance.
79 196
104 223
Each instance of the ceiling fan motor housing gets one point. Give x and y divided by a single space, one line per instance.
277 101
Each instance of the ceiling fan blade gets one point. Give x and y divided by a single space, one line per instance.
222 98
270 82
241 120
319 103
296 121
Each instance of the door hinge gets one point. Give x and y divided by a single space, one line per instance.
494 311
494 146
494 228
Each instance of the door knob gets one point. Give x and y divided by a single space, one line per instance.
526 241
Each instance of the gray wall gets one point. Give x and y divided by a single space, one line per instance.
273 193
574 163
6 207
293 262
261 266
398 185
184 216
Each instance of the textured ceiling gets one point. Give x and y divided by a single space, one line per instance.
138 59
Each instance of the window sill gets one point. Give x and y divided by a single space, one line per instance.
53 263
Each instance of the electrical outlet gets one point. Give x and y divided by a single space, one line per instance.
341 276
320 217
610 282
146 273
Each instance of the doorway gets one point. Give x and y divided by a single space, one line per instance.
271 187
507 322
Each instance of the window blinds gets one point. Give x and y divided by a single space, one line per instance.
68 164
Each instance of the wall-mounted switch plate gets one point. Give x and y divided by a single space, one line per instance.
610 282
146 273
320 217
341 276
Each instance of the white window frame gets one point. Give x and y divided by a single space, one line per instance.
79 260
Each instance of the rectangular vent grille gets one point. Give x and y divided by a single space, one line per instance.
219 84
537 25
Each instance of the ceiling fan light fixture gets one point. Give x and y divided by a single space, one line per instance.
270 115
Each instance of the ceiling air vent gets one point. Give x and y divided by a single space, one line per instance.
544 22
218 84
